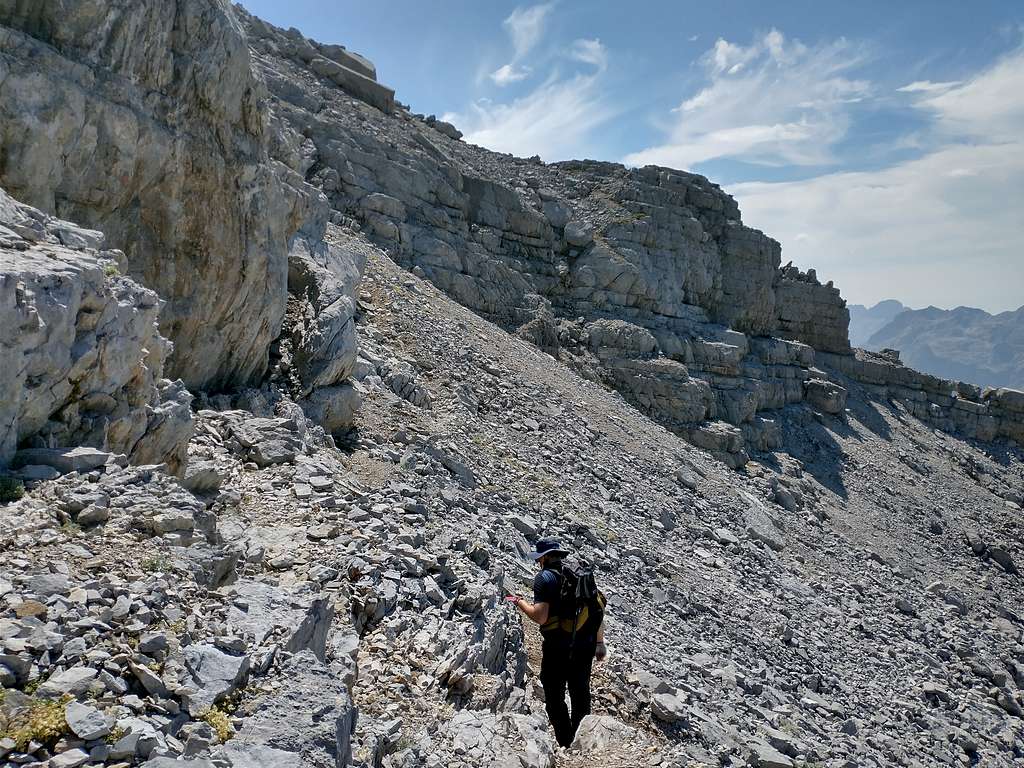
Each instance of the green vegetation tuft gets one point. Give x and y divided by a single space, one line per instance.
155 564
41 721
217 719
11 489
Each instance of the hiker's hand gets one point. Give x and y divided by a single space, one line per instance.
602 651
514 599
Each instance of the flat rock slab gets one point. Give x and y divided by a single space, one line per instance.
64 460
258 609
311 716
255 756
86 722
669 707
761 525
215 675
766 756
601 731
74 681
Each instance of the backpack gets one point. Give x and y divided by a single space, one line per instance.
581 604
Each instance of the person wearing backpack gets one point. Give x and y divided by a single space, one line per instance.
569 608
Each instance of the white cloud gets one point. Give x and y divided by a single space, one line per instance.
554 121
990 105
942 229
525 25
773 102
927 86
589 52
508 73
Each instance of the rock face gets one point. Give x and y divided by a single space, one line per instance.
81 359
145 120
811 312
984 414
644 279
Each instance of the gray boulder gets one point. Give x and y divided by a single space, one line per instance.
601 731
214 675
826 396
85 721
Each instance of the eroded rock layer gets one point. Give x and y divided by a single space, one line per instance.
145 120
81 359
644 279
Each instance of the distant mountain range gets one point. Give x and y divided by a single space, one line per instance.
963 343
866 322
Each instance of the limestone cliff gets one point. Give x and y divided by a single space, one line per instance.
81 359
145 120
644 279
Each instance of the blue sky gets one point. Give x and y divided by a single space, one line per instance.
881 143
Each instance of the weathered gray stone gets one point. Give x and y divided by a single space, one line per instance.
761 525
202 476
601 731
74 681
238 754
310 715
81 358
826 396
669 707
72 758
260 609
85 721
214 676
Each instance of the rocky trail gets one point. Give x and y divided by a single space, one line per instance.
267 475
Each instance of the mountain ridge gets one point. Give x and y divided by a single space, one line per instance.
963 343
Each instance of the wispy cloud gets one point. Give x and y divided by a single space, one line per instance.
509 73
555 119
927 86
774 102
589 52
525 25
944 228
989 106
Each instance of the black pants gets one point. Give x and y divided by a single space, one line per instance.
560 669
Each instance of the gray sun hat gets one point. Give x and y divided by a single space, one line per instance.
545 547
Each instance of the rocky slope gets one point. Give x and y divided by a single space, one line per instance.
962 343
853 600
643 279
811 551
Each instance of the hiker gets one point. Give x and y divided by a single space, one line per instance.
572 624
